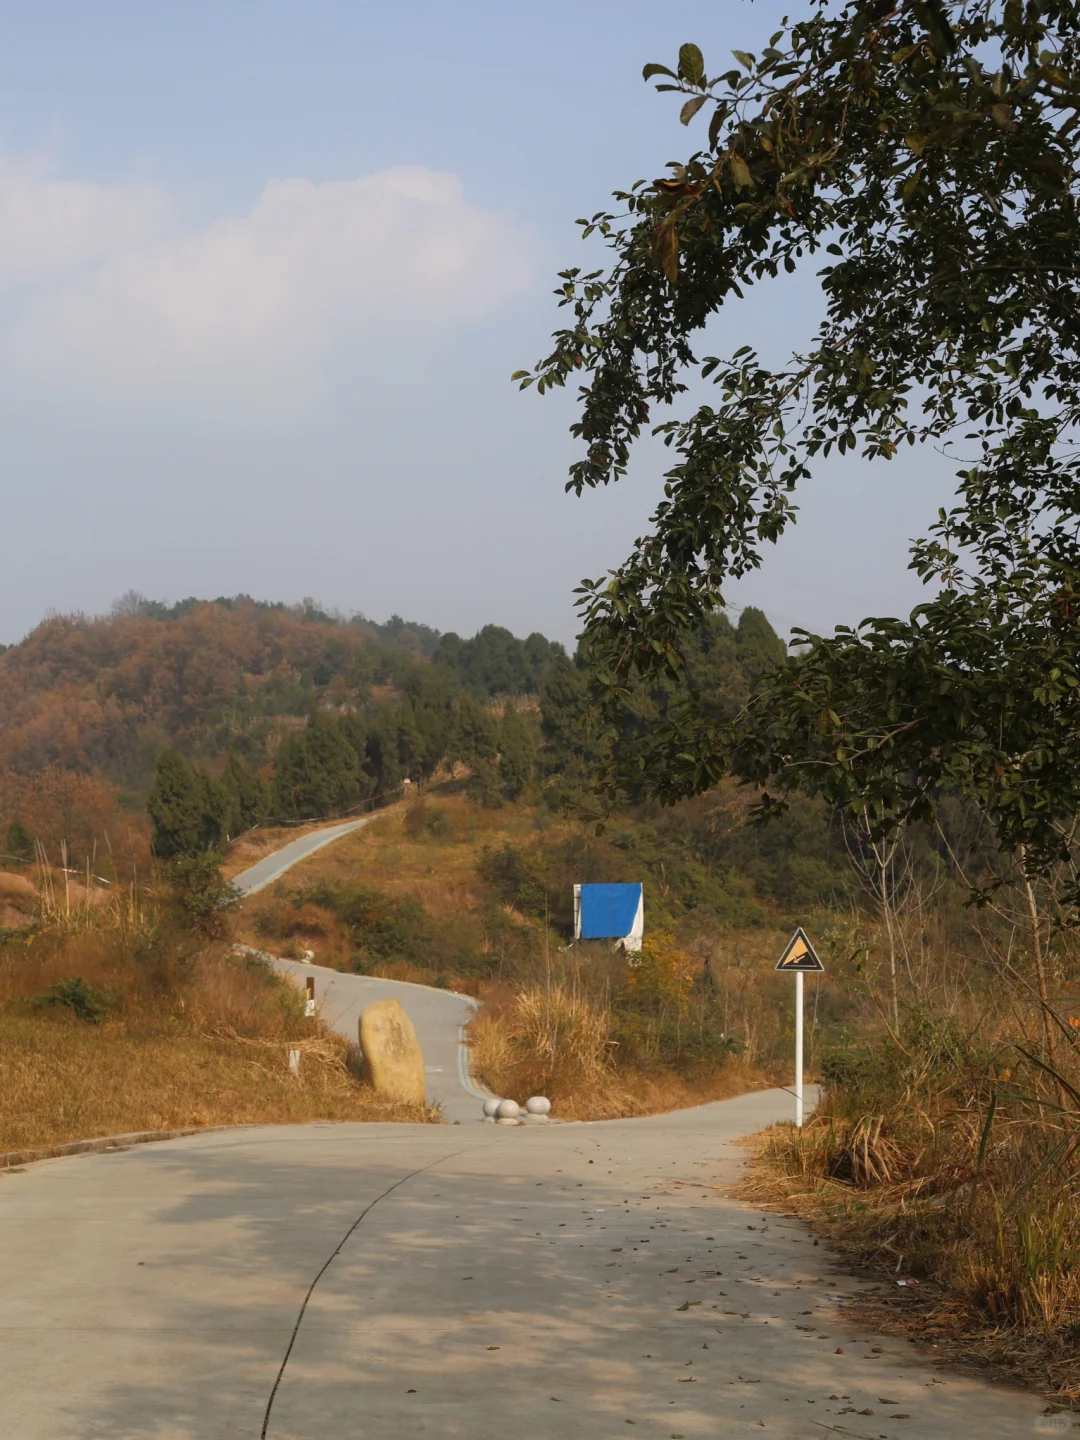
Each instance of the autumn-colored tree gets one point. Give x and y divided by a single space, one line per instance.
72 811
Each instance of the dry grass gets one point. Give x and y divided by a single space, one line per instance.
440 871
161 1033
554 1041
966 1184
64 1080
18 901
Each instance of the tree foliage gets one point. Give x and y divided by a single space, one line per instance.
925 153
718 665
517 753
494 662
189 809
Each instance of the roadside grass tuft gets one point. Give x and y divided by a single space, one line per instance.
948 1159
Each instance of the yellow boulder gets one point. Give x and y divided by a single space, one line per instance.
393 1060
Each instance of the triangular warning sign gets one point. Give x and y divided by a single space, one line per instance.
799 954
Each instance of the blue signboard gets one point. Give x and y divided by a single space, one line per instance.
609 912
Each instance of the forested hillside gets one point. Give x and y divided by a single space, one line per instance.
220 714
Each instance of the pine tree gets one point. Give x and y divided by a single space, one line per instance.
248 793
759 648
476 733
175 806
217 810
517 753
317 772
20 843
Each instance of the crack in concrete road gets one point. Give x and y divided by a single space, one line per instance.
326 1266
550 1281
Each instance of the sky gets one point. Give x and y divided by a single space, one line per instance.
266 269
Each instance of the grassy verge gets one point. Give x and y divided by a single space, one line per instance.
946 1158
66 1081
560 1040
115 1018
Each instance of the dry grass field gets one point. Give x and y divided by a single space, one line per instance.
112 1022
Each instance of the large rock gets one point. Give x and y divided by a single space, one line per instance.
393 1060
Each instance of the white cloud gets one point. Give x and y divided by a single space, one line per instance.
50 227
109 294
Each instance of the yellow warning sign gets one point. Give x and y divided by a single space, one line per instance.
799 955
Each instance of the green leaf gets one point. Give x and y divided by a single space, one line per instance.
745 60
690 109
740 172
719 115
651 70
691 65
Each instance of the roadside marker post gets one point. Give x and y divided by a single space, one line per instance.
800 958
309 1003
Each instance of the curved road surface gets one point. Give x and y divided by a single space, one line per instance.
438 1016
383 1282
272 867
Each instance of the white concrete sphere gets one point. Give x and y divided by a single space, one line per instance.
491 1105
538 1105
508 1110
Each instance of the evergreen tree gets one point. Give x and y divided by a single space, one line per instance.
20 843
476 733
517 753
317 771
250 799
759 648
217 810
484 786
175 806
383 759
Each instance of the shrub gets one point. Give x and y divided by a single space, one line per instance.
81 998
200 894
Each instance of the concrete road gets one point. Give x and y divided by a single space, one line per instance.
272 867
340 1282
438 1016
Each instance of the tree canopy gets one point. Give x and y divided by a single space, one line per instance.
922 153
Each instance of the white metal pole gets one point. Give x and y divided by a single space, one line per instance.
798 1048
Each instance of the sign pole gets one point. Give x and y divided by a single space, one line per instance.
800 958
799 1048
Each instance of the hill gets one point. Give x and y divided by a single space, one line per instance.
315 713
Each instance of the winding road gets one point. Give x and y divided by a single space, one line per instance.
438 1016
459 1282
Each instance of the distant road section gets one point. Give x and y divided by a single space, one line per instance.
270 867
438 1016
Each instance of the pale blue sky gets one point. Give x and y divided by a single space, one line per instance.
265 270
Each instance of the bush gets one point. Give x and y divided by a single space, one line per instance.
81 998
200 894
424 821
